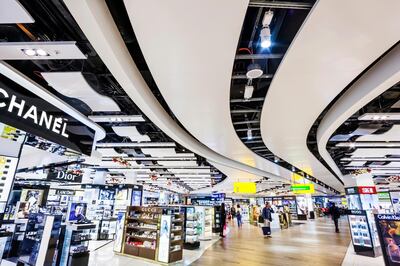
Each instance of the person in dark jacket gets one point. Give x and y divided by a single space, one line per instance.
267 216
223 219
335 214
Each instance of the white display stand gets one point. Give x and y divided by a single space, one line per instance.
205 215
275 224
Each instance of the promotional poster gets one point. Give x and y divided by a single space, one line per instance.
389 235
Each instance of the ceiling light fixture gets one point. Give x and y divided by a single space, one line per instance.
248 92
41 52
249 134
254 71
29 52
265 33
116 118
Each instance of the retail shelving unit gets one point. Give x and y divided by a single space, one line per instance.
75 247
154 233
40 241
192 228
217 223
206 216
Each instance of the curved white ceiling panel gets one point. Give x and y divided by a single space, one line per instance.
379 78
74 85
98 25
193 67
132 133
331 49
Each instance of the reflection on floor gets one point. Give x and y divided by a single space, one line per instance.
311 243
352 259
105 256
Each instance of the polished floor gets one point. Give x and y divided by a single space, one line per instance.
306 243
310 243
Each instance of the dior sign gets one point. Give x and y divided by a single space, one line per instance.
64 176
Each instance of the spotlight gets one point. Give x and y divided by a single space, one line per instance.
265 33
41 52
249 134
29 52
265 37
248 92
254 71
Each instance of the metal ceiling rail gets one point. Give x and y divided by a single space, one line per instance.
243 111
245 129
257 99
258 56
280 4
134 144
247 122
265 76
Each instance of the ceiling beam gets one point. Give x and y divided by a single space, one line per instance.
258 56
264 76
257 99
247 122
245 111
280 4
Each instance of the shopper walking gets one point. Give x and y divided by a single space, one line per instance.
223 219
335 214
267 216
239 216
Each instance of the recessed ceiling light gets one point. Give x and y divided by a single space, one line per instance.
30 52
41 52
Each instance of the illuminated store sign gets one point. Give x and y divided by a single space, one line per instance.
367 190
41 118
26 111
244 187
303 188
65 176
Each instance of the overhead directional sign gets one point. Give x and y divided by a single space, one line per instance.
303 188
244 187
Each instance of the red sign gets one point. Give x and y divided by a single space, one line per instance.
367 190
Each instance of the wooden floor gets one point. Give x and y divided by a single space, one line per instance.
311 243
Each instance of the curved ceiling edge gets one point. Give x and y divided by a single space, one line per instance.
329 63
181 71
383 75
96 22
35 88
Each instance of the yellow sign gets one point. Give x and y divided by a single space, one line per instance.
244 187
303 188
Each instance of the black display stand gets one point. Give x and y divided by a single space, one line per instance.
191 240
217 223
361 234
40 241
75 251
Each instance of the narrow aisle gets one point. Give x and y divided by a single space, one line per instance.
311 243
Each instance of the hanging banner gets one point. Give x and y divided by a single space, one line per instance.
24 110
303 188
244 187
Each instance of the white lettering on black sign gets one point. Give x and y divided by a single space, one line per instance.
41 118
